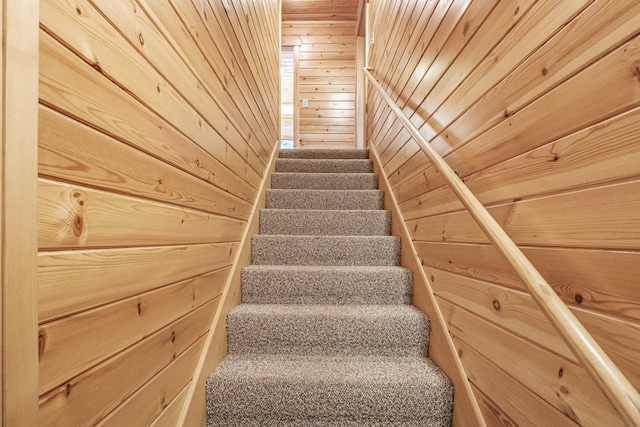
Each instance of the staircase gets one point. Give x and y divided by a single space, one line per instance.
325 334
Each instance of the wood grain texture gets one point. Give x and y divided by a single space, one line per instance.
535 106
562 384
91 395
18 202
327 79
215 347
78 217
466 411
70 345
157 120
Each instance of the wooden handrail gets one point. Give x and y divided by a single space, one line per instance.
615 385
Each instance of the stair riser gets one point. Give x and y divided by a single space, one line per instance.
284 286
325 200
324 181
326 223
341 392
319 333
325 250
324 166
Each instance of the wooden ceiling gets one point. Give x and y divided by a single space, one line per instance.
320 10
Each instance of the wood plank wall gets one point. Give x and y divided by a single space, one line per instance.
157 120
536 104
327 79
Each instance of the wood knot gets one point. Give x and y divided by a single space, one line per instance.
68 389
579 298
496 305
42 341
544 71
78 226
635 69
560 372
173 336
141 39
139 308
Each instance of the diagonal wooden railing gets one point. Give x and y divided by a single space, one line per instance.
615 385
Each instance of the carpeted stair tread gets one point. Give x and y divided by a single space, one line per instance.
324 165
273 390
324 181
319 153
325 222
268 284
325 250
325 334
325 199
383 330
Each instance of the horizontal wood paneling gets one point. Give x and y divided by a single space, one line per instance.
129 321
89 396
319 10
157 120
535 105
326 78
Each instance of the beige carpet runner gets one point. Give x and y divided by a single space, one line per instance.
325 334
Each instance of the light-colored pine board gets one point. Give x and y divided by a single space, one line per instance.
561 383
600 153
64 82
441 349
317 28
74 281
509 309
133 21
71 216
314 138
71 345
558 220
97 42
536 104
306 113
18 202
510 403
215 347
90 396
594 279
65 144
208 87
160 396
327 89
170 417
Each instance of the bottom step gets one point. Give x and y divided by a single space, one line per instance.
271 390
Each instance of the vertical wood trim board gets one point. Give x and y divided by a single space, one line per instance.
296 96
361 96
536 105
18 160
158 121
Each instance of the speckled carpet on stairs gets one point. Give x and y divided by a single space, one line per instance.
325 334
